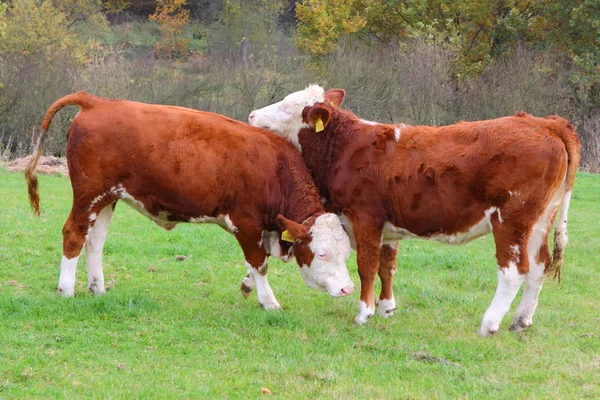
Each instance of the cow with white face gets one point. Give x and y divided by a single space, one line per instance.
285 117
176 165
510 177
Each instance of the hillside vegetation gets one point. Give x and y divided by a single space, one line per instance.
416 61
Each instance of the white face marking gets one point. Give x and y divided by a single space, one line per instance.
93 217
483 227
397 134
331 248
285 117
68 272
509 282
364 313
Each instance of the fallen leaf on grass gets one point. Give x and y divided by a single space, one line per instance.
265 390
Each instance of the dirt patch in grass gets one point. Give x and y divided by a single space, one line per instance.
47 165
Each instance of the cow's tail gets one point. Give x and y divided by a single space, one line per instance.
561 128
81 99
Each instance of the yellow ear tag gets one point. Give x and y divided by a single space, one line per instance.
319 125
287 236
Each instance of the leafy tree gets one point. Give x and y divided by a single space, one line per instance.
39 32
481 30
171 17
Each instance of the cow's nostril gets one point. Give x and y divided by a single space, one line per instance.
347 290
251 116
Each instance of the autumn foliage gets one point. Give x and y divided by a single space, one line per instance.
171 17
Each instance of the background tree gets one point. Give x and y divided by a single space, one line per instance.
171 17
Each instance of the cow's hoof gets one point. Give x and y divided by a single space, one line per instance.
361 319
486 332
246 290
64 292
271 306
96 290
386 308
364 313
520 325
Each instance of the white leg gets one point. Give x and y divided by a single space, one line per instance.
93 249
533 285
509 282
66 281
364 313
266 298
386 307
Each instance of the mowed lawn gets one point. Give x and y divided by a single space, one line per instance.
181 329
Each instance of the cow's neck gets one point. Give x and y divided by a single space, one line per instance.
321 152
299 197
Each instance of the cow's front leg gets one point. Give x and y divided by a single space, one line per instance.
249 236
387 268
368 244
248 285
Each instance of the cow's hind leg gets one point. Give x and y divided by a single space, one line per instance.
74 235
513 263
387 268
533 285
94 247
539 260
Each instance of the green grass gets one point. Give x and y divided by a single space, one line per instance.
170 329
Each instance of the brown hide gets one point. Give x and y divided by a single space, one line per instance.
181 164
396 181
440 180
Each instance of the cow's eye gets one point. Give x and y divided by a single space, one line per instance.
322 255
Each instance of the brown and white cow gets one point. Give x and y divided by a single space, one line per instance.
175 165
452 184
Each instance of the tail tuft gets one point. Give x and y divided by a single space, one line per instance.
81 99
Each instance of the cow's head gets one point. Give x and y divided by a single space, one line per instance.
321 247
286 117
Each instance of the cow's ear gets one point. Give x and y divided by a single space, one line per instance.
291 230
335 97
318 117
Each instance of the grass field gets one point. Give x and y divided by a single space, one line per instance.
172 329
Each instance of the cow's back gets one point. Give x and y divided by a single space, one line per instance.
442 179
196 160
